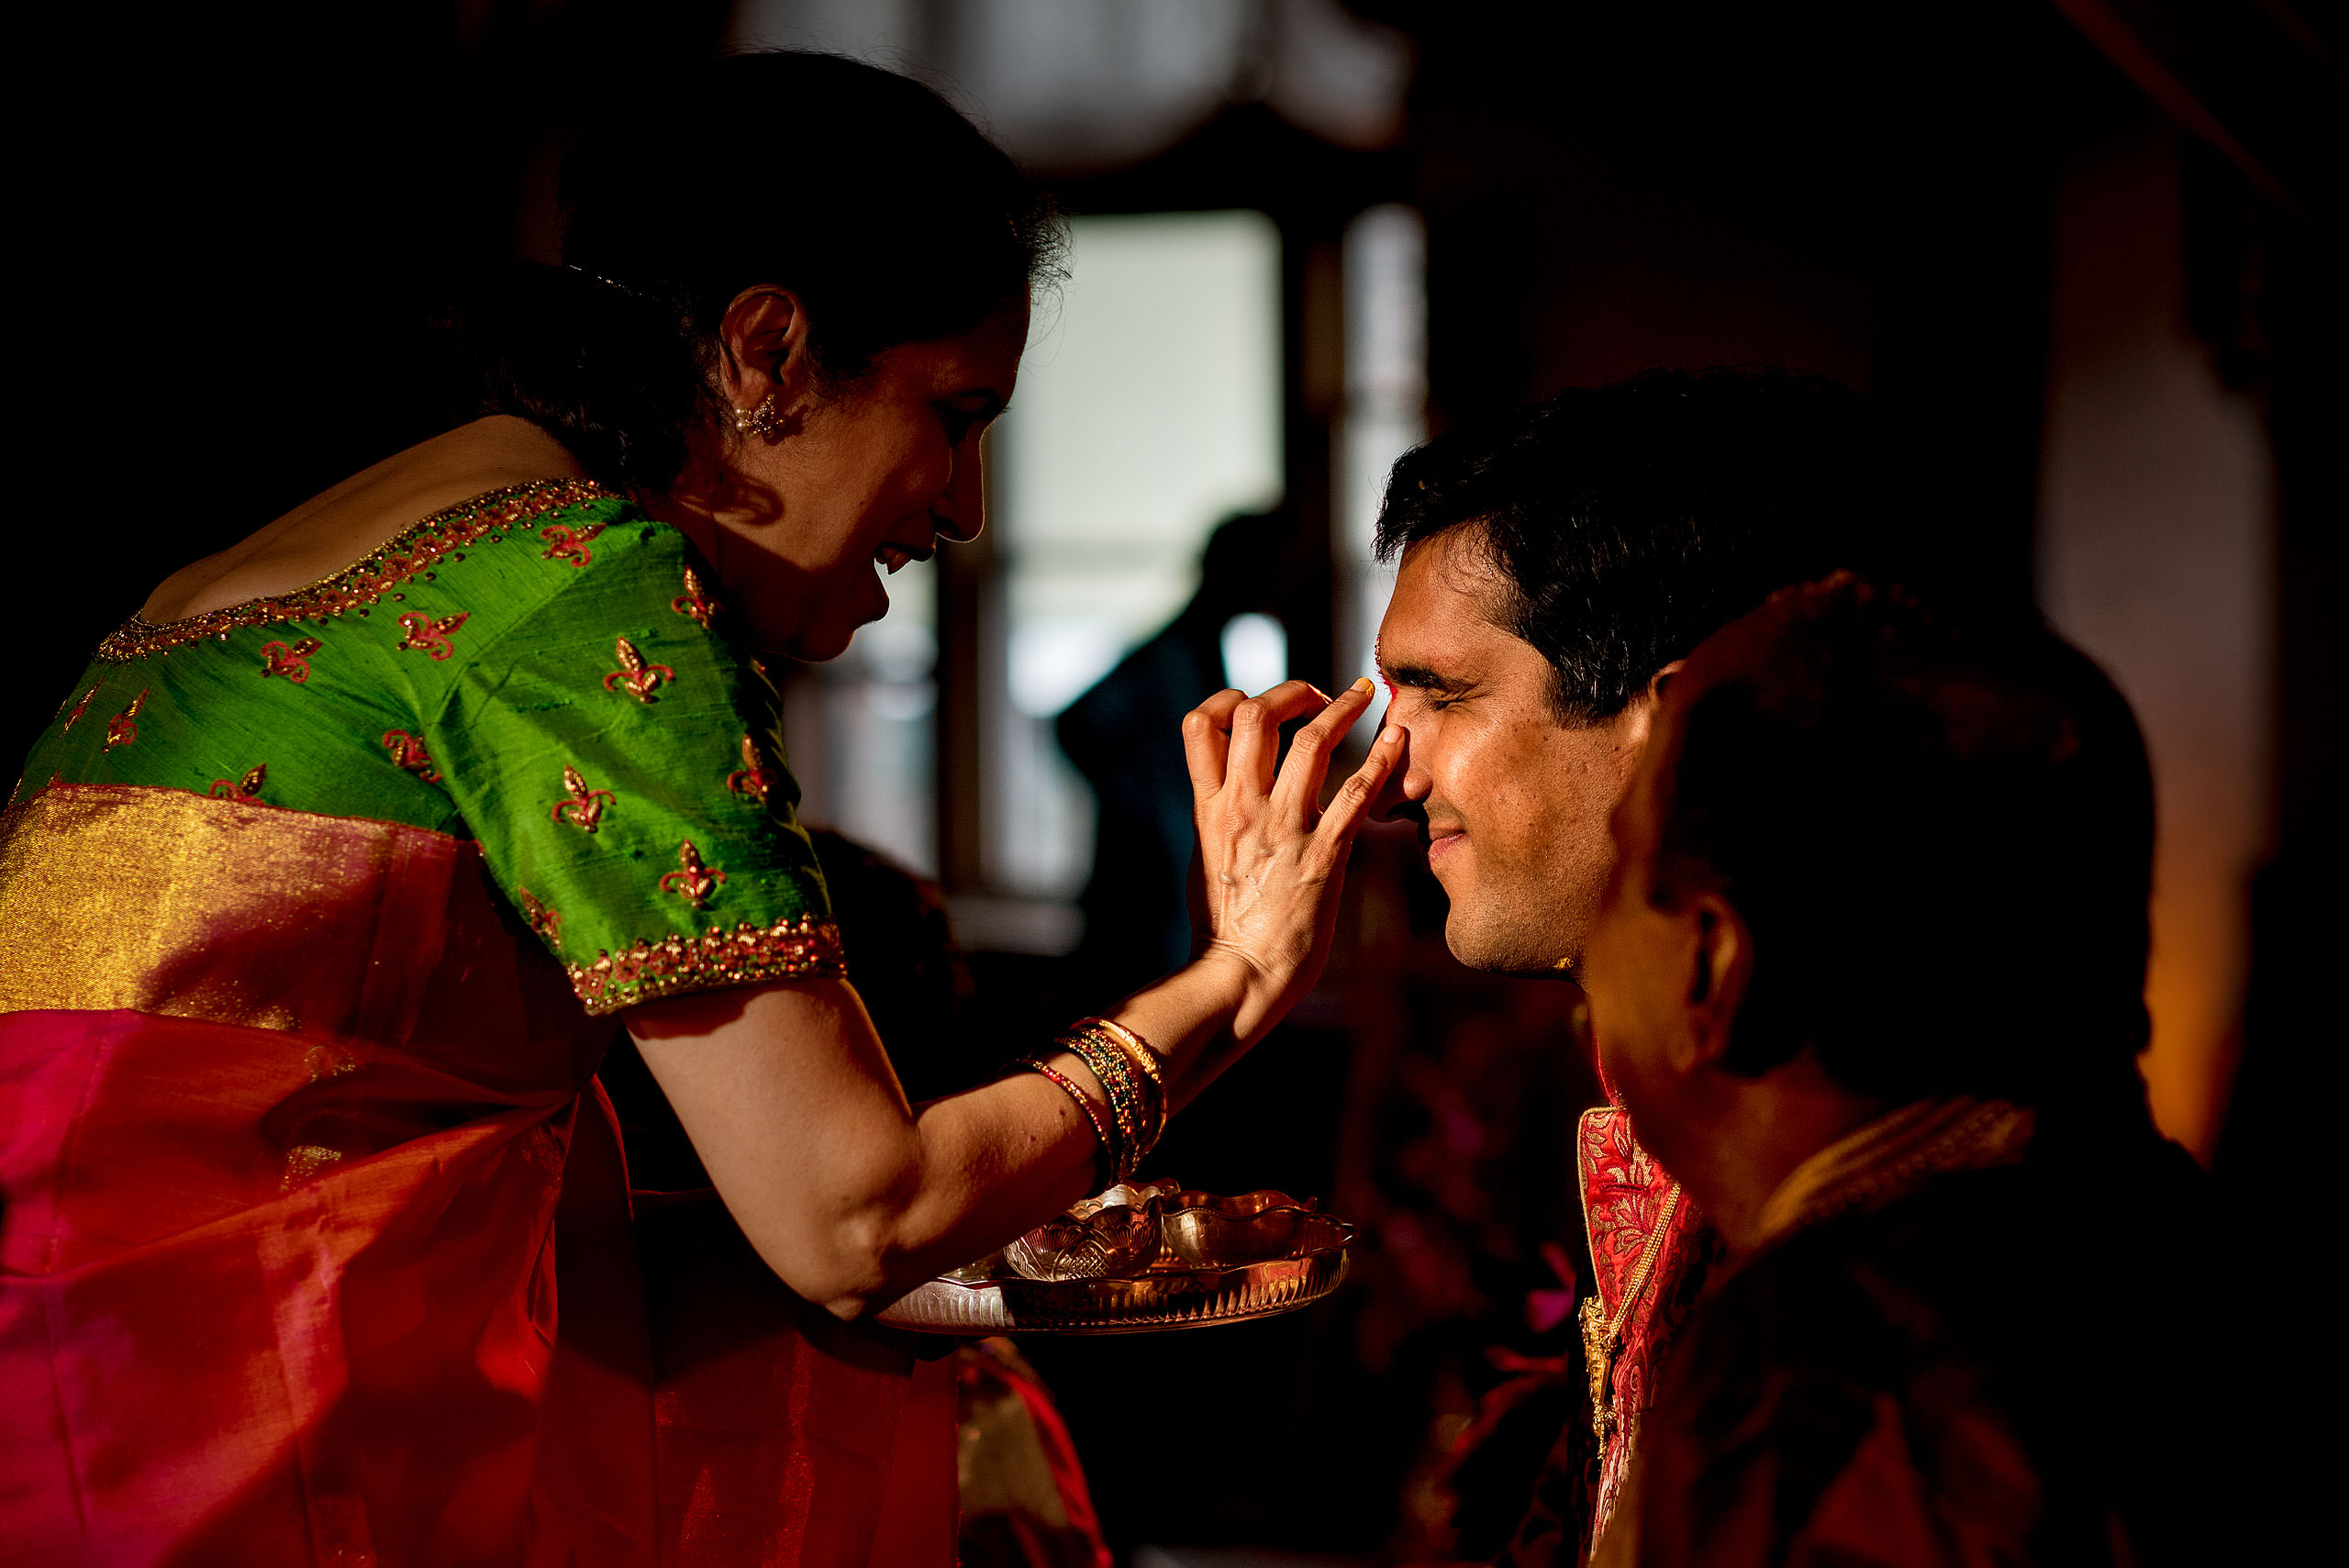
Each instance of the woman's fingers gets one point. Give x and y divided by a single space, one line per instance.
1256 732
1207 742
1350 808
1297 794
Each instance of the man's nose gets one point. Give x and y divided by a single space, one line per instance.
1407 783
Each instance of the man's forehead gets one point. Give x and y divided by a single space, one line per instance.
1447 603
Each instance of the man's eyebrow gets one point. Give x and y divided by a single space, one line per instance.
1418 677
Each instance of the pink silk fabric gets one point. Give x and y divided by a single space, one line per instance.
289 1283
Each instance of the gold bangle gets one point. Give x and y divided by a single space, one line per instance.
1108 1152
1137 1052
1144 1107
1108 1064
1141 1049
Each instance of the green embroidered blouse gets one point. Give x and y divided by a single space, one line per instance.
542 670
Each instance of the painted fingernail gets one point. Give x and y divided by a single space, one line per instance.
1390 735
1362 684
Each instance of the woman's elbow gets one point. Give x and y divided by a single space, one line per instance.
850 1269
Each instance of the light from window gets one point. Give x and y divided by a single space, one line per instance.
1148 410
1255 653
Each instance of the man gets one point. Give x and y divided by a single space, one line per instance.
1869 973
1553 567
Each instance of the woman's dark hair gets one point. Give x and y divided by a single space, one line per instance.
863 190
1939 831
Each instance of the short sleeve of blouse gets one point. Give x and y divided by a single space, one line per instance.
620 763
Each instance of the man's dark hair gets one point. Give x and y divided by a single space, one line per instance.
1629 521
1940 834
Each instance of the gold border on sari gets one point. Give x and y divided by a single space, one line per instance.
116 896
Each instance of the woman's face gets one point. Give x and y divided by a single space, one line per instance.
862 478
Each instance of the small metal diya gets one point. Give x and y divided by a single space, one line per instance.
1113 1235
1210 1232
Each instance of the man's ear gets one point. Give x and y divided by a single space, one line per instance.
1657 682
1723 967
762 347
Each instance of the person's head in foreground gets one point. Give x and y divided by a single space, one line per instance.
1552 565
1869 975
1871 858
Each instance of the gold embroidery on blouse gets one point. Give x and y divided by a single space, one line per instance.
415 552
546 922
123 728
694 602
430 636
565 542
753 778
245 788
79 708
636 677
797 947
409 755
584 807
692 880
289 660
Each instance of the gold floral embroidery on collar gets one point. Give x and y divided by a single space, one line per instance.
417 552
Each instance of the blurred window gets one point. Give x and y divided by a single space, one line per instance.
1385 414
1149 409
860 732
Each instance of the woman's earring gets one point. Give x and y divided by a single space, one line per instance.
767 421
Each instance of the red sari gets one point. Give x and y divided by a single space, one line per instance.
315 1238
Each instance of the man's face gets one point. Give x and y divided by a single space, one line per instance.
1513 804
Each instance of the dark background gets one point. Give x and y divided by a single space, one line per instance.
232 225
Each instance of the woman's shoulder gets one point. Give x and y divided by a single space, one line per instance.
506 550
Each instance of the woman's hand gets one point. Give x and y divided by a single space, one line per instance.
854 1196
1273 858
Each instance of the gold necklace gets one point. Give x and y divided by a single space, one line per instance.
1602 1339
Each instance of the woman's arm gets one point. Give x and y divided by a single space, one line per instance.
852 1196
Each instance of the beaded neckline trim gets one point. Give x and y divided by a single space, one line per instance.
415 551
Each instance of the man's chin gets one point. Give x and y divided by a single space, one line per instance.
1502 947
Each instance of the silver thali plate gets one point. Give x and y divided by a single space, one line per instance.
1169 1295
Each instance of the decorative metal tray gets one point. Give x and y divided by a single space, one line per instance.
1219 1261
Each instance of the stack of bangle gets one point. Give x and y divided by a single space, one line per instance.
1128 1069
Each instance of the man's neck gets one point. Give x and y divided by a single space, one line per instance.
1757 1133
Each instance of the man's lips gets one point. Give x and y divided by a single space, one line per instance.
1442 841
895 557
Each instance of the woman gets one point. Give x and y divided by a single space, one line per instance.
323 890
